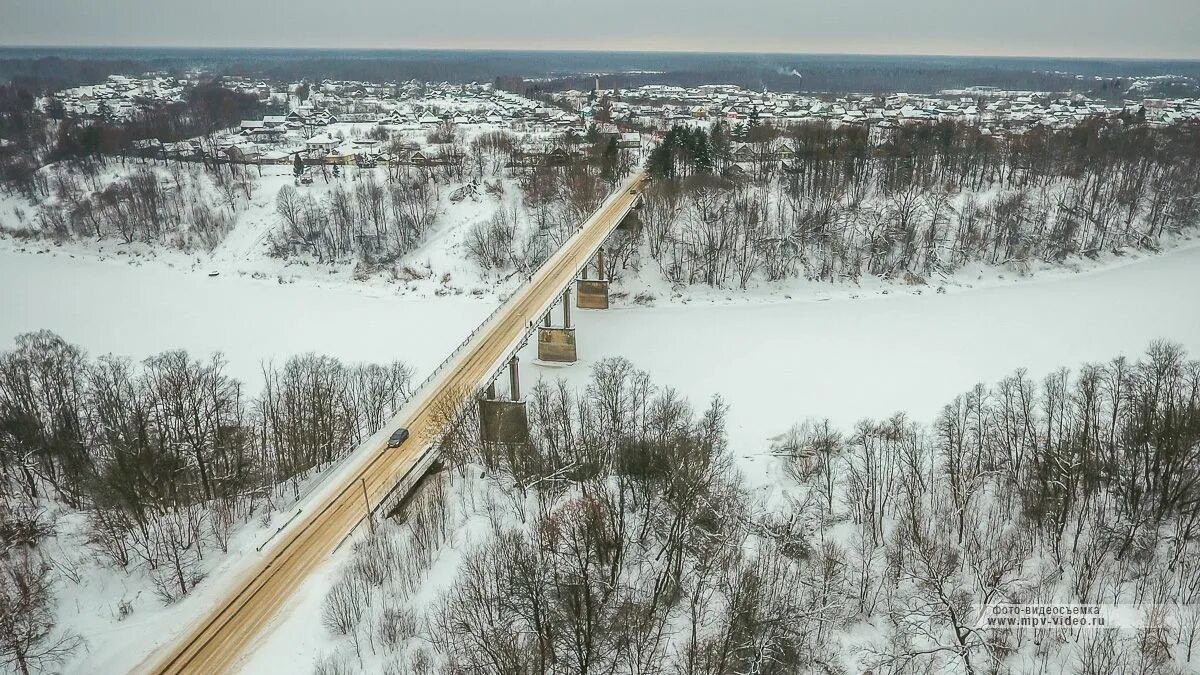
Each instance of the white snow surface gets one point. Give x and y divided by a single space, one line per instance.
777 357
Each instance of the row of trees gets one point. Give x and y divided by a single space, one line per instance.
924 200
165 456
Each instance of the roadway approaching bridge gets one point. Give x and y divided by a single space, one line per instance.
218 640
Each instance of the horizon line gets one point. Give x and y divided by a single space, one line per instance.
1184 59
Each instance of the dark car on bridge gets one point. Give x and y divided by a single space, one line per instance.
398 436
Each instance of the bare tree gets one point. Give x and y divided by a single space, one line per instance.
28 639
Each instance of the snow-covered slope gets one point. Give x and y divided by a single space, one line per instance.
439 265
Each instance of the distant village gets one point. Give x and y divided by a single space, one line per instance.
993 110
368 124
344 122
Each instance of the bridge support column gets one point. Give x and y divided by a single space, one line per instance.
504 421
514 379
557 345
592 293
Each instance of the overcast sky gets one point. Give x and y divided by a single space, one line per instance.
1126 28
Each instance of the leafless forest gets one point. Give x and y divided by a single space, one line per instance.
911 203
621 540
381 216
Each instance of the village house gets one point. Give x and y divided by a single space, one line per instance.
321 144
630 139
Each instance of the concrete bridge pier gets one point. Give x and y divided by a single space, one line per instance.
592 293
504 420
557 345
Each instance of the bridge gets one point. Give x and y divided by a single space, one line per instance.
373 477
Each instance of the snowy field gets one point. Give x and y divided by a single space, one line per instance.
775 363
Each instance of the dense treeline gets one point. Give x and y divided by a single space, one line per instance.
166 455
42 73
25 135
919 201
821 73
620 539
848 74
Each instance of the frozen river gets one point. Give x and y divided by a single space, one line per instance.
109 307
774 363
